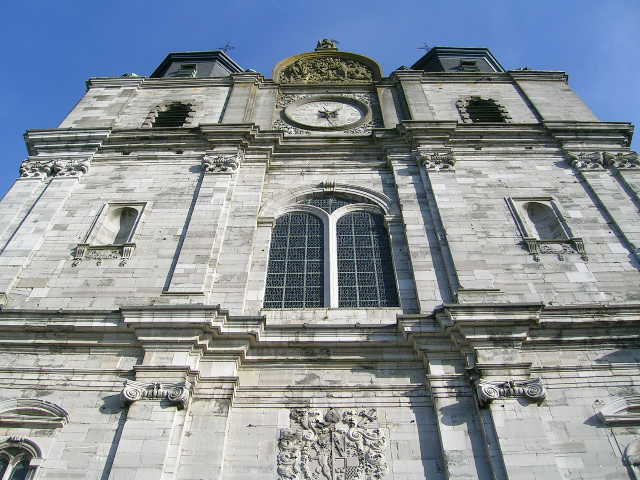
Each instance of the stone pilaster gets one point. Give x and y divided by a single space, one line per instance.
604 174
424 249
452 216
415 98
205 224
30 235
232 273
16 203
464 448
241 102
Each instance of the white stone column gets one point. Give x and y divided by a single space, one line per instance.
521 423
232 273
30 235
424 249
464 449
597 171
152 435
205 225
16 203
415 98
241 102
389 105
462 249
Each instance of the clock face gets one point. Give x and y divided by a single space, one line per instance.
327 113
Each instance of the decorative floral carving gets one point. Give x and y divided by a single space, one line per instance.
84 251
177 393
326 69
223 162
333 446
289 129
586 161
622 160
493 390
437 161
35 168
603 160
561 248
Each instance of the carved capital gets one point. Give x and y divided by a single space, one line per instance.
622 160
221 162
437 160
493 390
35 168
176 393
603 160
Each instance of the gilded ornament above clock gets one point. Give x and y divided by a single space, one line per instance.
327 65
326 70
327 112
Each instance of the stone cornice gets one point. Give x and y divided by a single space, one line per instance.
210 331
145 82
54 142
539 75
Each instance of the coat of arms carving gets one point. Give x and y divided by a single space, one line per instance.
333 446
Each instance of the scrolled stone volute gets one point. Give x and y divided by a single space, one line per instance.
177 393
489 391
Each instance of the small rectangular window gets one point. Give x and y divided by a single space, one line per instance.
185 70
469 65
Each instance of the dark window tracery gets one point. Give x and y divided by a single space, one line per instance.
481 110
295 276
173 116
359 258
365 272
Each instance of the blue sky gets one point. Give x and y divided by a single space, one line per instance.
51 48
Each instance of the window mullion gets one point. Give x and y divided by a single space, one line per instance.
331 263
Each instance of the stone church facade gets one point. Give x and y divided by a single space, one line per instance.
329 274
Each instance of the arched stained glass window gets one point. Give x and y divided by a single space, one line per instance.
4 463
337 257
365 269
20 470
14 463
330 203
295 277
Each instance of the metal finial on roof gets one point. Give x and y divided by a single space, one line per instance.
425 47
227 47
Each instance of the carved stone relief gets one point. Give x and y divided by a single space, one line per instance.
326 69
177 393
99 253
221 163
603 160
36 168
339 445
493 390
437 161
559 248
